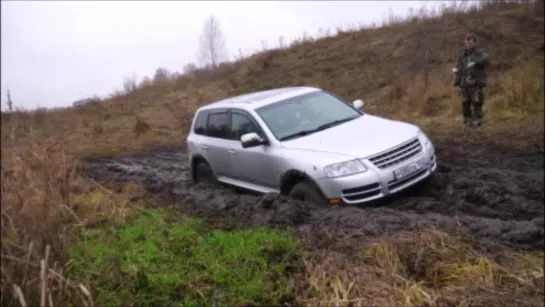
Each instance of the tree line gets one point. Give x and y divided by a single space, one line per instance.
211 52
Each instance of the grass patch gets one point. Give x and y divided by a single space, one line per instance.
428 268
436 268
156 258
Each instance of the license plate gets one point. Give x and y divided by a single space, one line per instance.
407 170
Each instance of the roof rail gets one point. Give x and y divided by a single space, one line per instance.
231 101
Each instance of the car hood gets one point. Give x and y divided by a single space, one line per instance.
360 138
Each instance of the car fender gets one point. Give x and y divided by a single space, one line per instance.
292 177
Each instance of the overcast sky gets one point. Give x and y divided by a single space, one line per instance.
56 52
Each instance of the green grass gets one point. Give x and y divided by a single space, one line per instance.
158 258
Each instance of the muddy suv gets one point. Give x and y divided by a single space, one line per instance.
306 143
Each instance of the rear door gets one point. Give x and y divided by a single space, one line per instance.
197 142
217 143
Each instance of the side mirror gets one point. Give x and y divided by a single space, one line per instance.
358 104
251 139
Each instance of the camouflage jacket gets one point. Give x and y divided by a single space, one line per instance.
473 76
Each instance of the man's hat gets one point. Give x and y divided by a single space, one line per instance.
471 36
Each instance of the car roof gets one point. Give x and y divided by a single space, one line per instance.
254 100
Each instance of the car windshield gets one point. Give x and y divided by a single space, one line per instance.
306 114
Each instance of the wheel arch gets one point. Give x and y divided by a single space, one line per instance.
292 177
195 160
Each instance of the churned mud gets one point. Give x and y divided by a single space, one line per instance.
495 194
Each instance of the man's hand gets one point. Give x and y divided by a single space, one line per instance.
470 64
455 70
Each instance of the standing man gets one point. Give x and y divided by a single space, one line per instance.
471 79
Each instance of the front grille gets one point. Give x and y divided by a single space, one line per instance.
397 154
361 193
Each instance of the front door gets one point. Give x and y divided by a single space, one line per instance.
253 164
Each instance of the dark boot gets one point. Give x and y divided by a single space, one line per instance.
468 122
477 122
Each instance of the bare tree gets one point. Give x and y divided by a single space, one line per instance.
146 81
161 75
129 83
212 48
9 102
281 43
241 55
189 69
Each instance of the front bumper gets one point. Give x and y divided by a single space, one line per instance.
376 183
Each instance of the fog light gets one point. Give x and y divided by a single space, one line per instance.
334 201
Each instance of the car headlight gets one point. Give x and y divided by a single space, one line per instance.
346 168
426 142
424 138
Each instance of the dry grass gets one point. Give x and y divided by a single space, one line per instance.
43 196
431 268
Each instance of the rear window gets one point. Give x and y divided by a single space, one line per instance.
200 123
218 125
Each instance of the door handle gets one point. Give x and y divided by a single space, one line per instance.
205 147
232 151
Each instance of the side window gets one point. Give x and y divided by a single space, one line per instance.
200 123
218 125
240 125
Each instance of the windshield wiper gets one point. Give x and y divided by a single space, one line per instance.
319 128
297 134
335 123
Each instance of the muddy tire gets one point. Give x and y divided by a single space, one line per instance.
203 173
307 192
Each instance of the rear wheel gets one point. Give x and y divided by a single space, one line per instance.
203 173
307 192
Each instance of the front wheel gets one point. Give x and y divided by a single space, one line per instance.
307 192
203 173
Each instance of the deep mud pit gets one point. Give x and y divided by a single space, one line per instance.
496 194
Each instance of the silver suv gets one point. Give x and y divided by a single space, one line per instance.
306 143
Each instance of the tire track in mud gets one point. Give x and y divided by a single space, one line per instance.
495 194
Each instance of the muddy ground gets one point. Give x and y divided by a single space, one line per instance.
495 194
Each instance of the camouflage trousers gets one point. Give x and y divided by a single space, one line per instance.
472 99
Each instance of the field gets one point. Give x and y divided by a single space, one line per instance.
97 207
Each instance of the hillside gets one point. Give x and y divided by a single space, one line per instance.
384 66
53 196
